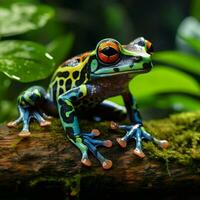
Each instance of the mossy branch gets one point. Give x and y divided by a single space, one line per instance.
48 158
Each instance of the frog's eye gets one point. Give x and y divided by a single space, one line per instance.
108 52
139 42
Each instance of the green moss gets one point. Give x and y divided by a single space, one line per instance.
183 133
181 130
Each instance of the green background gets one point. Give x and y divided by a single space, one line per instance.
32 32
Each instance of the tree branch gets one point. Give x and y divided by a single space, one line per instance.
47 162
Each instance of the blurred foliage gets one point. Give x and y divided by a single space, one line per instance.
60 47
35 31
186 60
174 82
178 59
19 18
195 6
188 35
21 60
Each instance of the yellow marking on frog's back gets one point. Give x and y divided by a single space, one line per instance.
69 81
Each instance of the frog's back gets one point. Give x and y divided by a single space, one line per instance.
68 75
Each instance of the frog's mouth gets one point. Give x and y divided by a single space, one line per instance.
127 69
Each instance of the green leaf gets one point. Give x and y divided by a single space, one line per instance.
163 79
117 99
22 17
60 47
178 102
25 61
179 60
192 42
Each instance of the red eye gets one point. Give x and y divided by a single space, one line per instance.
108 52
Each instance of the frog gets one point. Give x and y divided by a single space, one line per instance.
80 88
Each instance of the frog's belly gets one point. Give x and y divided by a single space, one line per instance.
102 89
97 97
90 102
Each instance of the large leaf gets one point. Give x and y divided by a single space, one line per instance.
22 17
192 42
178 59
177 102
161 79
25 61
60 47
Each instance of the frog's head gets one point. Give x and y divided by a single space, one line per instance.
111 58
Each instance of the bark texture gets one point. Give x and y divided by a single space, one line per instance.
46 164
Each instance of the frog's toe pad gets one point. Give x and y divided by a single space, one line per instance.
164 144
45 123
86 162
107 164
24 134
108 143
121 142
96 132
12 124
138 153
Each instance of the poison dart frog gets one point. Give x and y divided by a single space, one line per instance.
79 89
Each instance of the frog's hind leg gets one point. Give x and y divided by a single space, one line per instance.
29 106
83 140
92 145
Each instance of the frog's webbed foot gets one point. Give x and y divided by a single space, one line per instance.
26 114
29 103
92 144
138 133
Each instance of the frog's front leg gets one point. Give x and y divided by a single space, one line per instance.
83 141
136 130
30 104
